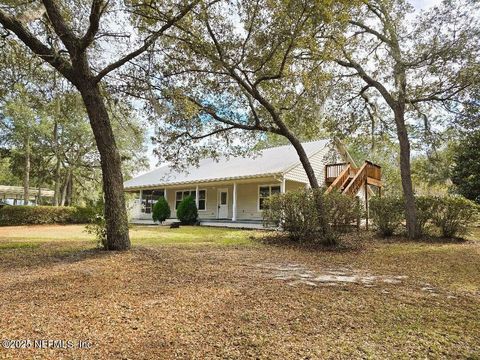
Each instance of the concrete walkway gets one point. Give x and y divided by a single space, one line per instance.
213 222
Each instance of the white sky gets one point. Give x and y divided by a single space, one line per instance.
423 4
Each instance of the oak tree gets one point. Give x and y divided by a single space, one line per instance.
74 37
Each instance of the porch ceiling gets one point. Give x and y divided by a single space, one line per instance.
220 182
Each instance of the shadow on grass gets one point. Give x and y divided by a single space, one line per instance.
33 255
347 242
354 241
426 239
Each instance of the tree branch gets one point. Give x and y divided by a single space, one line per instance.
368 79
61 28
148 42
372 31
199 137
96 12
40 49
208 110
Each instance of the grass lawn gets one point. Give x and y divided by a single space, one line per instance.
214 293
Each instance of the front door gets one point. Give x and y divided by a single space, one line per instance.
222 203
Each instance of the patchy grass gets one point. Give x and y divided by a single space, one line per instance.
202 293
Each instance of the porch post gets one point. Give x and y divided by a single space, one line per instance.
234 210
282 186
196 196
165 195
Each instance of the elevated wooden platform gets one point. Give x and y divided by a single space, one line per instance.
349 180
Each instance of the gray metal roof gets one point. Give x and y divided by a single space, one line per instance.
270 161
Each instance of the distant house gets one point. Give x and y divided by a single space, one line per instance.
232 191
13 195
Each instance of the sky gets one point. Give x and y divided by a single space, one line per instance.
423 4
418 4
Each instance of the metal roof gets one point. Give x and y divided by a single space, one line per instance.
271 161
18 190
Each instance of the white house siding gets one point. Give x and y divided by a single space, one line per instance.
319 160
247 199
293 185
211 208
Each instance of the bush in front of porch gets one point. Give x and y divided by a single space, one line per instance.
161 210
187 211
298 214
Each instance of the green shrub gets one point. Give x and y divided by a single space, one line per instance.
387 214
298 214
97 225
425 210
161 210
37 215
98 228
294 212
453 214
83 215
187 211
342 211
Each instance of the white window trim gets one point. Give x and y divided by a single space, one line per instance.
190 190
270 191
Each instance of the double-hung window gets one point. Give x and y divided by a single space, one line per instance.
202 198
264 191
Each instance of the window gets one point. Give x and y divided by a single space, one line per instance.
202 198
223 198
264 192
149 198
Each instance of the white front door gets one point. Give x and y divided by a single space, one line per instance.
222 203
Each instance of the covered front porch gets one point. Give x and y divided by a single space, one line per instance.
234 203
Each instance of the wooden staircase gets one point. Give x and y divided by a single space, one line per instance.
349 180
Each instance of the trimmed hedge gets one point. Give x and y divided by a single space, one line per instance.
36 215
448 216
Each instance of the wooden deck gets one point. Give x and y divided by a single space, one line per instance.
348 179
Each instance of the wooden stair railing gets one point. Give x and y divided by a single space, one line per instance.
357 181
341 179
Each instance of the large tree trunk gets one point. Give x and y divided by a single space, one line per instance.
68 200
327 235
65 187
26 174
39 192
115 210
302 155
56 199
405 171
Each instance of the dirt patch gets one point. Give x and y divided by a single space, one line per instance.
295 274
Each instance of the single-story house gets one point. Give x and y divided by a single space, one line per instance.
13 195
232 191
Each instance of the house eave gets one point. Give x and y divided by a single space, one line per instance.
202 181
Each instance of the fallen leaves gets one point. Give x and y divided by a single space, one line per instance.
215 301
